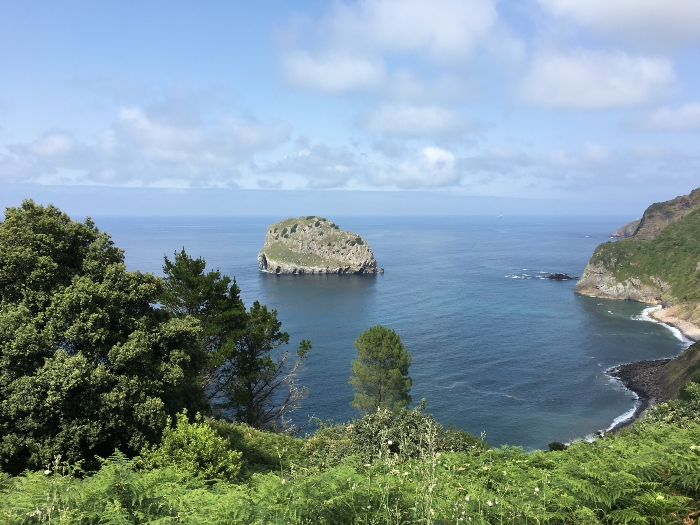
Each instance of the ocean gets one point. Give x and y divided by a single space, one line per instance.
497 350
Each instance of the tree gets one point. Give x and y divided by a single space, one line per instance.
215 303
87 364
248 379
380 372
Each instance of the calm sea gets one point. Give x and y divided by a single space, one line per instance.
495 348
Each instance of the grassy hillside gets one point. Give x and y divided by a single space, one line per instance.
672 256
679 371
354 474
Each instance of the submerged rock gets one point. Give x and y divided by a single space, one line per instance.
314 245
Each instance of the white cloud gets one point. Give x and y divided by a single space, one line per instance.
319 167
416 121
145 148
54 144
683 119
229 141
432 168
595 80
442 29
375 45
645 21
332 73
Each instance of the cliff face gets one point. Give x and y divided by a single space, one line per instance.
314 245
598 281
657 264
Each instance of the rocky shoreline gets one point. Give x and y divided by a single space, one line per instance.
641 378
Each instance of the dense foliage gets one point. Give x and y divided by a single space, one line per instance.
649 473
87 364
246 377
380 372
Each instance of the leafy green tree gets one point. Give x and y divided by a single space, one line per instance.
87 364
380 372
248 378
214 301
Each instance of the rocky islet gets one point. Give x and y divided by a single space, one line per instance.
315 245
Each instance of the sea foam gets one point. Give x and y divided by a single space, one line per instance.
644 316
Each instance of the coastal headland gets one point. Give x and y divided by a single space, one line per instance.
658 264
315 245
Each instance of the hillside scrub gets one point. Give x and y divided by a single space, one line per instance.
650 473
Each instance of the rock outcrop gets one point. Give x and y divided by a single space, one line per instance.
598 281
623 232
314 245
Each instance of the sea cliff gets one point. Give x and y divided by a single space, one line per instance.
658 264
314 245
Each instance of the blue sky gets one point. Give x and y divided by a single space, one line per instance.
364 107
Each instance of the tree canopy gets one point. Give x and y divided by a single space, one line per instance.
380 372
248 378
87 363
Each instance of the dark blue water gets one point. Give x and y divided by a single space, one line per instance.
495 349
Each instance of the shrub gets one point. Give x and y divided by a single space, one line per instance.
194 448
294 228
262 451
406 433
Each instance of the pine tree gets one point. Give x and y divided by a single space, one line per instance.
380 372
248 377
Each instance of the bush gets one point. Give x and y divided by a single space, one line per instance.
404 433
194 448
294 228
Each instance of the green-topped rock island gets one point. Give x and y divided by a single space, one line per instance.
315 245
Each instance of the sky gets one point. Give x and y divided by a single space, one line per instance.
366 107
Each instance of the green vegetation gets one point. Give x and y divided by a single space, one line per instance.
195 449
646 474
87 363
279 252
672 256
380 372
305 241
241 379
89 366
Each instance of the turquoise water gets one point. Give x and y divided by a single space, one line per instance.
495 348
